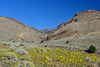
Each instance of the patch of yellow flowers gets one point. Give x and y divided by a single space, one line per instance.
46 57
80 49
60 56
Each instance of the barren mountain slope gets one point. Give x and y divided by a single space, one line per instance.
38 31
14 30
49 31
81 24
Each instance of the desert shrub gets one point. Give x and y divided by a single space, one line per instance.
41 50
25 57
92 49
5 44
14 41
87 58
7 64
20 47
11 50
1 43
12 47
66 42
8 55
24 64
22 52
42 41
21 44
2 50
27 47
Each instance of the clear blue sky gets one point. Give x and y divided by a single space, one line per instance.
45 14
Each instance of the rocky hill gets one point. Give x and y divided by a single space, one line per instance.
16 31
85 23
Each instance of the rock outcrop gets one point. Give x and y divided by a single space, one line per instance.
86 11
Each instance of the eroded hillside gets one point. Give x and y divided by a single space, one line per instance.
16 31
82 23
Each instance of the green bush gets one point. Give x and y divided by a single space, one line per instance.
67 42
92 49
41 41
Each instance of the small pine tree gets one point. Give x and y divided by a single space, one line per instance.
92 49
67 42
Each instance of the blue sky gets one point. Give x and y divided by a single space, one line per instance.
45 14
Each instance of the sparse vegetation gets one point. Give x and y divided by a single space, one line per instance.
45 57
